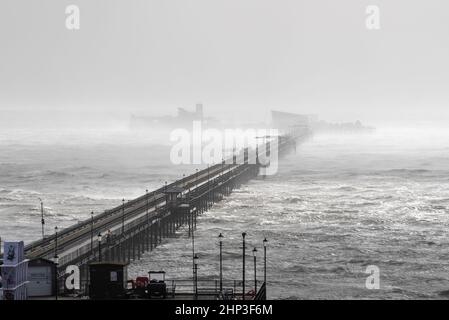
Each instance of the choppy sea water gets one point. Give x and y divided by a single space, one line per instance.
338 205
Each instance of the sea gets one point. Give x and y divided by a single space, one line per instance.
339 207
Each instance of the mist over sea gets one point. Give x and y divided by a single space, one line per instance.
339 204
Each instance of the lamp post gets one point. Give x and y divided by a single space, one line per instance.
265 243
42 217
220 239
56 261
255 269
56 241
91 232
222 168
146 197
148 214
108 239
243 281
207 174
193 243
123 216
99 246
195 263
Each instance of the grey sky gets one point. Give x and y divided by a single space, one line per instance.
313 56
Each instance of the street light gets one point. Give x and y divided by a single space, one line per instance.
123 216
207 174
56 241
99 246
243 284
220 239
255 270
56 261
108 239
148 216
222 168
193 242
265 244
91 232
195 262
42 217
146 197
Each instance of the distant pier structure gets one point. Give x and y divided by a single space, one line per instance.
123 233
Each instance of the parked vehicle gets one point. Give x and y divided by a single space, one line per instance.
157 286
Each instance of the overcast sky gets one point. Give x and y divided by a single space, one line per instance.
309 56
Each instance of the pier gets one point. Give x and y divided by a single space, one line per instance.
124 233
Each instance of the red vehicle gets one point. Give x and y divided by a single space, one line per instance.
139 287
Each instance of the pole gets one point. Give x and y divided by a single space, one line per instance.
243 282
195 268
265 265
146 192
255 274
265 261
56 279
56 241
42 218
148 214
196 282
193 244
222 168
56 258
221 262
109 246
99 250
123 216
91 232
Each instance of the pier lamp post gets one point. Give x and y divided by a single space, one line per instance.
255 269
220 240
148 214
243 280
146 197
222 168
193 242
195 263
108 240
56 261
99 246
56 241
123 216
265 243
91 232
42 217
208 175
